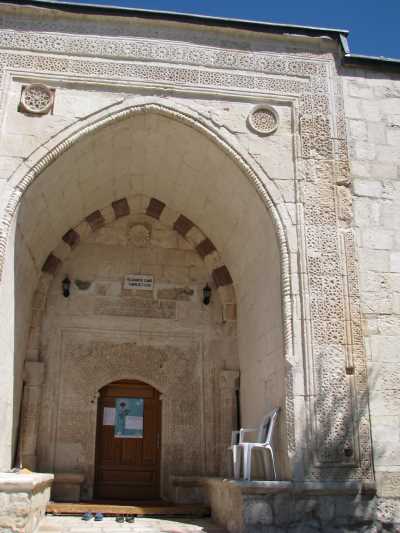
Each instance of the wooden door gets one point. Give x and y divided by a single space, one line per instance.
128 466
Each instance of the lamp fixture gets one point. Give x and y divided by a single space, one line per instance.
206 294
66 286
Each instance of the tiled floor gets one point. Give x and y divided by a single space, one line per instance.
71 524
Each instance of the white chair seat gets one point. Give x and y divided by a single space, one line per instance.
262 443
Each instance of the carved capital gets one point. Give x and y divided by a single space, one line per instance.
229 379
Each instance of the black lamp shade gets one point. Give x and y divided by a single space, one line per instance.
66 285
206 294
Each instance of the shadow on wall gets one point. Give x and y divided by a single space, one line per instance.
333 441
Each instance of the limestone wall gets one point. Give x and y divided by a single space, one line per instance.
372 104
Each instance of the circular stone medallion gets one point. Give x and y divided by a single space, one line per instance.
139 235
263 120
37 98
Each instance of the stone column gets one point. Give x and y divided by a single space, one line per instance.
228 384
33 380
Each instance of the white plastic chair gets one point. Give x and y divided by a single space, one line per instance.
263 443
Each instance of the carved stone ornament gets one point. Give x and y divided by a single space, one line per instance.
139 235
263 120
37 99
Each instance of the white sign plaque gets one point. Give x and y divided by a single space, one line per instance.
138 281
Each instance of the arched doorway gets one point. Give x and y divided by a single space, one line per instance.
128 442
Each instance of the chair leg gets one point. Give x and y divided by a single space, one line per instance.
247 462
266 463
273 462
236 461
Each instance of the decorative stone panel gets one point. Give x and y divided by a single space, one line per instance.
172 365
263 120
36 99
139 235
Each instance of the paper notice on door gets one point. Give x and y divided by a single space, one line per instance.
109 416
129 418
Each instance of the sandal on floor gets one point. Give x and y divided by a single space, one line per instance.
130 518
87 516
98 517
119 519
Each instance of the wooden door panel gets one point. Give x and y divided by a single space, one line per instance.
131 453
127 477
128 468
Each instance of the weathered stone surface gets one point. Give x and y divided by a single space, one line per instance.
136 307
283 509
23 500
258 513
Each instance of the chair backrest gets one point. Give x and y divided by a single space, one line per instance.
266 428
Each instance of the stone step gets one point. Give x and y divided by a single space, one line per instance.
139 510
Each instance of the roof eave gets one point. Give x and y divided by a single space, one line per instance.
191 18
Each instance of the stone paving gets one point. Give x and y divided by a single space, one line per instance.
72 524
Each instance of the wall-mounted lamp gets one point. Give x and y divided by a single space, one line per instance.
206 294
66 286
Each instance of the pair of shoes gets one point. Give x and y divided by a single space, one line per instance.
129 518
88 516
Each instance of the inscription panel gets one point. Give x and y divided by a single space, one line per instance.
136 307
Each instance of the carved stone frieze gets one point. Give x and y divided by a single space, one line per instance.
173 366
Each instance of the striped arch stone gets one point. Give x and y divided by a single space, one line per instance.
155 208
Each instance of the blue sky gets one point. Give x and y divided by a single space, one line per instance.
374 25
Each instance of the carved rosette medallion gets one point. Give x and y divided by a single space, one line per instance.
37 99
263 120
139 235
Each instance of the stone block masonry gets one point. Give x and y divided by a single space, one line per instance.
372 107
286 507
23 500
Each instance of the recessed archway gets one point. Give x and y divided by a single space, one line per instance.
154 151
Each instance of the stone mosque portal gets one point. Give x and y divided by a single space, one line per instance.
153 194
